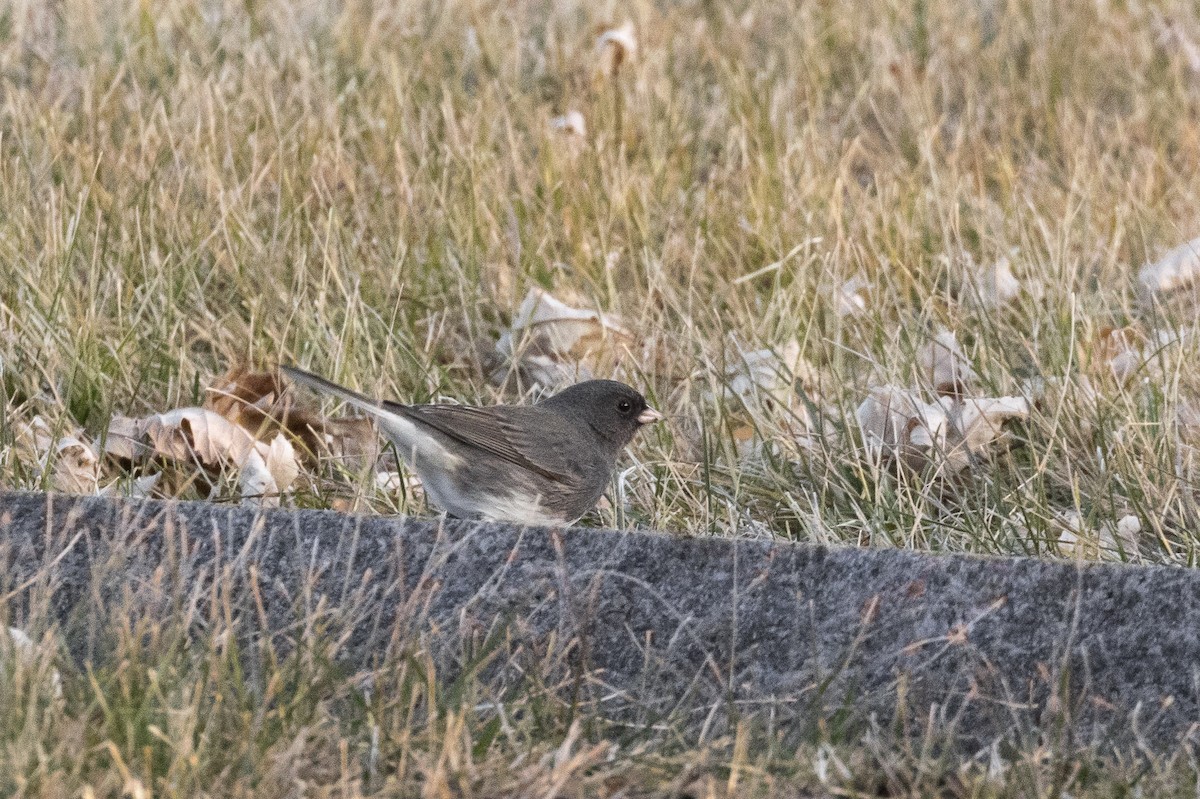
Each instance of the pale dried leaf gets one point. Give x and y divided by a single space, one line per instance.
944 365
197 435
1114 542
1178 268
123 440
616 46
1049 392
1120 351
36 439
22 643
976 426
26 653
1187 441
764 383
256 481
571 123
1129 352
755 375
137 488
1173 37
562 329
268 471
393 482
552 343
896 422
991 285
71 463
207 440
850 298
76 467
282 462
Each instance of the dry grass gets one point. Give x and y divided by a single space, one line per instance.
370 189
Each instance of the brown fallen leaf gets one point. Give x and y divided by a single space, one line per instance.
259 403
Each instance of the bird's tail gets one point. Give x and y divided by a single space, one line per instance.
324 386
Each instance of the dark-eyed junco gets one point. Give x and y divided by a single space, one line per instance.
542 464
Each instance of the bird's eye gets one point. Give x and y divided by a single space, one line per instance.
624 406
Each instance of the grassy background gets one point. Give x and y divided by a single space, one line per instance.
371 189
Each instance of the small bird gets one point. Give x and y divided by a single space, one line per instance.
543 464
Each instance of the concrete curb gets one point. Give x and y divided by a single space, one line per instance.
649 627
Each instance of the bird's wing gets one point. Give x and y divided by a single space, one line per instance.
535 439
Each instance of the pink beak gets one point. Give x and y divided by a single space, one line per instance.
650 416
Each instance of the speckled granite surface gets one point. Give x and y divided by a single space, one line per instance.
646 626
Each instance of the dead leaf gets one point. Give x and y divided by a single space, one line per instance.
246 398
1177 269
123 440
976 426
1129 352
551 343
1187 442
408 484
768 375
614 48
571 124
203 438
850 298
259 403
1173 37
266 475
764 382
897 423
76 467
943 363
1115 542
137 488
1119 351
988 286
71 463
25 650
198 435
